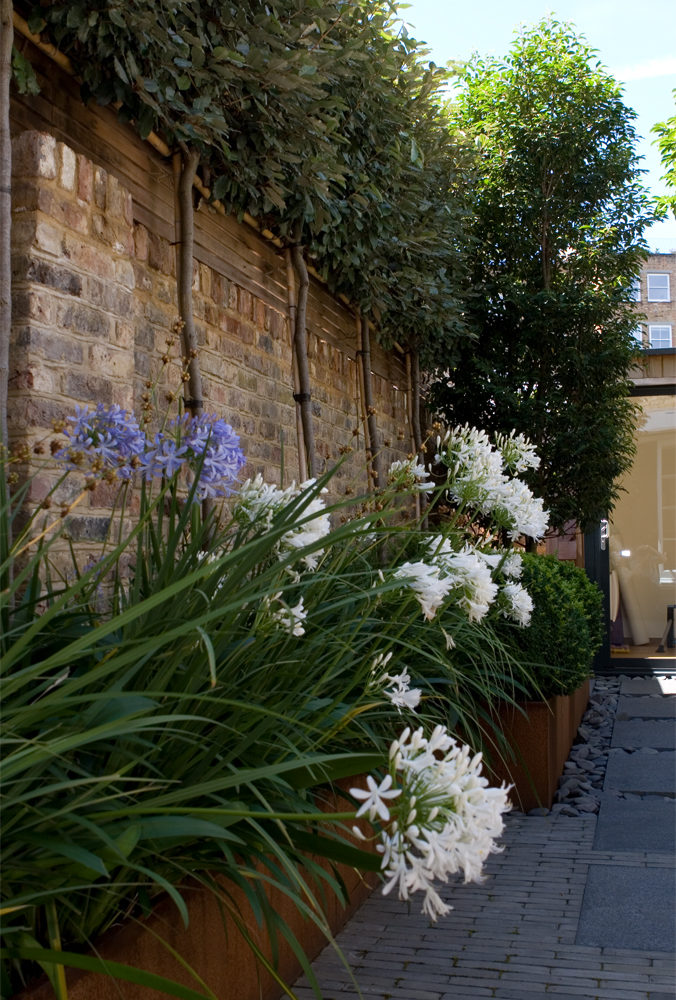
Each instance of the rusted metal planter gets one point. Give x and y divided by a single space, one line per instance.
539 735
212 945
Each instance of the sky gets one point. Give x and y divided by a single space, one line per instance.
635 41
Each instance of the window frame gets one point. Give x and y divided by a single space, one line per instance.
651 296
660 326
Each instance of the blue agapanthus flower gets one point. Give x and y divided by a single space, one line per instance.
107 438
206 445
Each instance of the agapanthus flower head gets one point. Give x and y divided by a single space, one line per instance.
508 562
204 446
105 439
477 479
468 574
518 453
516 603
426 583
258 503
409 476
445 820
290 618
397 689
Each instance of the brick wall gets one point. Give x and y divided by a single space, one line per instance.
94 300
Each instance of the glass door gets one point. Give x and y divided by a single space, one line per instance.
642 541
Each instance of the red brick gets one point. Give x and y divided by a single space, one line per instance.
85 178
34 155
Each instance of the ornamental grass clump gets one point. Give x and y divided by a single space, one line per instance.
181 703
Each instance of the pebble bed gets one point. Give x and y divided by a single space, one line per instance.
581 784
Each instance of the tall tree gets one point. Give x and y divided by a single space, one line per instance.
560 213
666 142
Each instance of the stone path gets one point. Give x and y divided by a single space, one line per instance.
578 906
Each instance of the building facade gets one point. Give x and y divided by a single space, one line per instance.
642 530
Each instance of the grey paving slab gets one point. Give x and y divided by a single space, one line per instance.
647 824
648 685
646 707
658 735
629 908
641 772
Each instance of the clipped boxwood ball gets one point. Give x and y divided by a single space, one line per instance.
558 647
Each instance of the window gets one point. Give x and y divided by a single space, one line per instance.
660 336
636 289
658 288
637 334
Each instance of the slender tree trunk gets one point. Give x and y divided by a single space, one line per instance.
194 401
303 397
417 432
6 41
371 423
415 403
291 292
410 408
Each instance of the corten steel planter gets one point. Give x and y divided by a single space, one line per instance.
539 735
213 947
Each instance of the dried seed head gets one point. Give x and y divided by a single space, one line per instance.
58 426
38 448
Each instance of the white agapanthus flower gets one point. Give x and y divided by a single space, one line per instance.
468 573
445 820
516 603
258 501
509 563
399 691
427 585
374 800
410 476
518 453
291 618
478 480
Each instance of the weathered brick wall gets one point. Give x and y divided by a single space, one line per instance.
94 300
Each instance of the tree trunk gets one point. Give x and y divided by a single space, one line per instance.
303 397
6 41
194 401
409 406
415 403
373 445
300 438
417 433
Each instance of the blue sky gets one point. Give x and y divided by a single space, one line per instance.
635 40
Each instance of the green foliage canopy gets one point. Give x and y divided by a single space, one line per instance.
560 212
666 142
